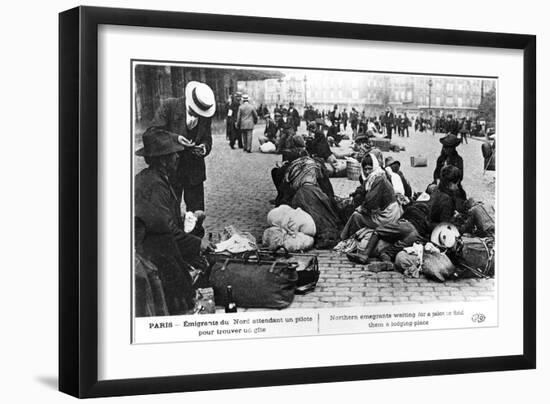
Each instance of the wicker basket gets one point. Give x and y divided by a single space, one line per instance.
353 169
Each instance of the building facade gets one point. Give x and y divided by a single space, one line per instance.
416 95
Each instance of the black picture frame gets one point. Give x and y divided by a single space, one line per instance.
78 207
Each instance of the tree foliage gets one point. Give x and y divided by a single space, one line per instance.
487 106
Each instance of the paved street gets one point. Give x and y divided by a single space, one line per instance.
239 187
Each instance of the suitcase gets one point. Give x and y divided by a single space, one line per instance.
307 268
382 144
257 282
476 256
419 161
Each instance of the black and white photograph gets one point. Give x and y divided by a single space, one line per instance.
260 201
266 188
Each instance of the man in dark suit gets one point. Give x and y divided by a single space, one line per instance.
389 119
233 132
190 118
294 116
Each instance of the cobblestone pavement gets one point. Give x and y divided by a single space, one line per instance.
239 187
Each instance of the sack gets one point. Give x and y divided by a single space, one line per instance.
408 263
419 161
298 242
256 282
437 266
279 216
268 147
484 223
300 221
475 255
307 268
273 237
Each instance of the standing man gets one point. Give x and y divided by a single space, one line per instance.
294 116
247 117
354 121
388 122
406 124
335 117
189 117
345 117
233 131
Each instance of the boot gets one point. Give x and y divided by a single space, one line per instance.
371 245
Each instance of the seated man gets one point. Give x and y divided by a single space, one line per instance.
316 143
159 227
286 131
271 130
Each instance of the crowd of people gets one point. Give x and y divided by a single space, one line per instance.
384 203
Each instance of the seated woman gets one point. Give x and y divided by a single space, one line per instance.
412 227
378 204
449 197
309 188
294 149
159 227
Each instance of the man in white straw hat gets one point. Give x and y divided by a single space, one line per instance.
190 116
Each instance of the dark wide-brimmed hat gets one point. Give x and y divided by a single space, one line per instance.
390 160
159 142
450 140
200 98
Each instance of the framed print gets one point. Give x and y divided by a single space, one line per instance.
251 201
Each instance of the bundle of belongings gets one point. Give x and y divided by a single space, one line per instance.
234 241
290 228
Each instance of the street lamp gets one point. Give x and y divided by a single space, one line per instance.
305 89
430 84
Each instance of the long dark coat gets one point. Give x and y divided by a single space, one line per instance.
159 237
172 115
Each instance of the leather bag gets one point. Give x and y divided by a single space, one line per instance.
257 282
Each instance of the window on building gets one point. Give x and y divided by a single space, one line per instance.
437 100
355 94
459 101
449 101
449 87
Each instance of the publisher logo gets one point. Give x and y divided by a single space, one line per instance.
478 318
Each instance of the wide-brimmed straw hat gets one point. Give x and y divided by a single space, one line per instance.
200 98
159 142
445 235
450 140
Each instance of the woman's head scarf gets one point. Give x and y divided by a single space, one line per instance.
377 170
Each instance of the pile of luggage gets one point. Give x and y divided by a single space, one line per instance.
239 273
